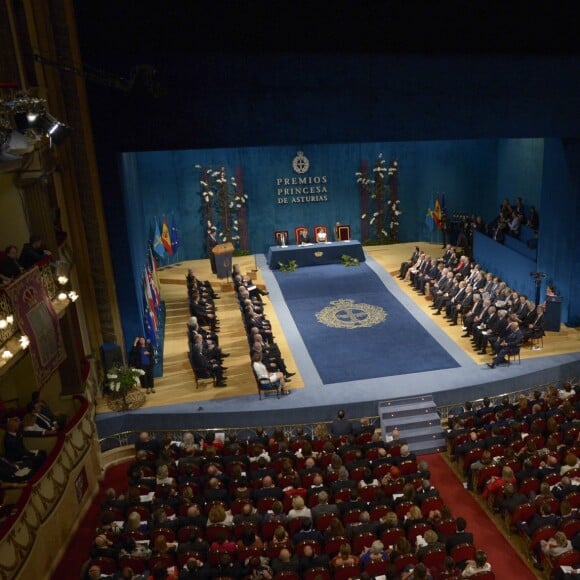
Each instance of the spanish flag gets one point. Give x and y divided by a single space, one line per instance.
166 237
438 214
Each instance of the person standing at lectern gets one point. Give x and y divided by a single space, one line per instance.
211 242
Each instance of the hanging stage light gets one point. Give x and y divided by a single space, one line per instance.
55 130
30 120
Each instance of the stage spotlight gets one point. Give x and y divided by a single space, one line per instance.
24 121
55 130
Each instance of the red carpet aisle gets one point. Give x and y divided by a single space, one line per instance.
77 553
505 561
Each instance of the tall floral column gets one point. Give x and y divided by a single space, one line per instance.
241 199
364 194
394 201
379 196
224 205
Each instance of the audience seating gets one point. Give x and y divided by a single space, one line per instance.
462 553
345 572
265 529
317 573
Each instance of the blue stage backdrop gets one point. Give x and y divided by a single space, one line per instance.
169 183
354 328
474 176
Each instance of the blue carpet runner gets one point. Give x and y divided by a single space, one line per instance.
354 328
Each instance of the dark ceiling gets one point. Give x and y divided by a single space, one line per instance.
145 28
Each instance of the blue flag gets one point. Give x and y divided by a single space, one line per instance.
158 246
174 235
429 221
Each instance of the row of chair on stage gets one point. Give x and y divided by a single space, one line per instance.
320 234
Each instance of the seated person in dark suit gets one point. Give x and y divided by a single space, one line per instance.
285 563
460 536
512 499
544 518
341 426
204 368
14 448
509 345
304 237
533 326
406 265
310 560
32 252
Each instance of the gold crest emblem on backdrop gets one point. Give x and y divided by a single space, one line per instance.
345 313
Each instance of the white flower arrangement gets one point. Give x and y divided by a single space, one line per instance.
122 379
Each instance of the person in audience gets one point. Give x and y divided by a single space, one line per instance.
432 543
134 523
323 506
461 536
556 546
104 548
363 526
544 518
344 557
148 443
512 499
374 553
477 565
307 532
193 568
335 529
299 509
285 563
402 548
341 425
94 572
131 549
309 560
32 252
14 449
9 266
218 515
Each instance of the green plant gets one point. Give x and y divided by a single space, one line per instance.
291 266
123 379
241 252
349 260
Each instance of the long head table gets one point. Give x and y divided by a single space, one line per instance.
315 254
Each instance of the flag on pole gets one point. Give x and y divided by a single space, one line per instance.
149 300
429 221
438 214
153 269
157 241
166 237
174 235
150 333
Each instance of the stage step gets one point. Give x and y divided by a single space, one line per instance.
417 420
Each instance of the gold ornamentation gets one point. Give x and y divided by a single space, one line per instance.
133 399
318 254
300 163
345 313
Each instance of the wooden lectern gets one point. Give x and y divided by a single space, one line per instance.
223 259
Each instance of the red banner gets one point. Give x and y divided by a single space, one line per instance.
37 319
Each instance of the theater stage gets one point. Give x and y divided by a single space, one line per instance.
178 405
